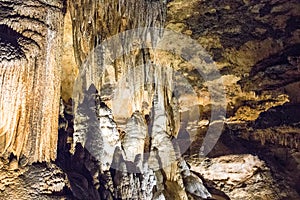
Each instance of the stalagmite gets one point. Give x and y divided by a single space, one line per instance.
193 184
154 78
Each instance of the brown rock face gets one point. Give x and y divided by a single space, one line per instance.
138 106
30 51
256 48
241 176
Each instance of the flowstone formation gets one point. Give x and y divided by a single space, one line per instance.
143 113
137 88
30 48
257 57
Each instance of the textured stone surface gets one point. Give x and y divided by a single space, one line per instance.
114 144
240 176
255 46
30 52
42 181
68 63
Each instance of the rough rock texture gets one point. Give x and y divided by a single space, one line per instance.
239 176
89 171
192 183
255 46
41 181
235 157
123 133
30 51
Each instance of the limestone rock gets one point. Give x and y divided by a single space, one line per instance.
192 183
37 181
138 110
240 176
30 51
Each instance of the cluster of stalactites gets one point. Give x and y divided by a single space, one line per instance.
285 136
102 19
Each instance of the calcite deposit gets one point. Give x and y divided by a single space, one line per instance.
140 99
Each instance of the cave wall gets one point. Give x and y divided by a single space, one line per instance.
255 47
31 37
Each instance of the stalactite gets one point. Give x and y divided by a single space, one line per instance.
138 88
30 80
279 135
